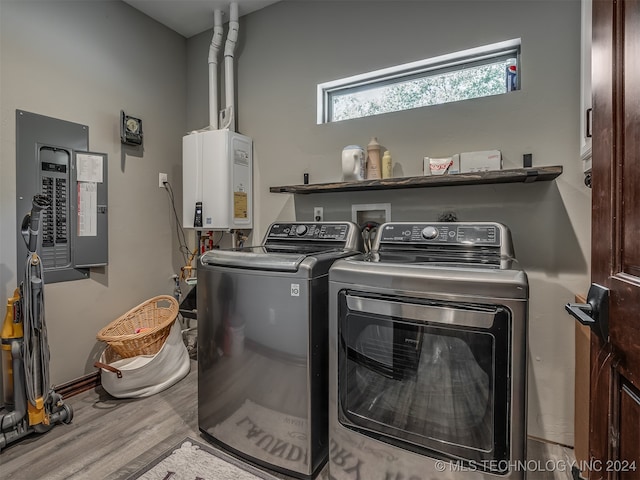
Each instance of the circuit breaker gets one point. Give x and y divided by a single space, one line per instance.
53 159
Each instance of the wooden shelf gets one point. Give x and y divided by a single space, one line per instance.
517 175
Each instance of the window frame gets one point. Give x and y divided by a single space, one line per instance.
413 70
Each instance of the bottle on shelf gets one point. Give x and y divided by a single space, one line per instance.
387 165
373 159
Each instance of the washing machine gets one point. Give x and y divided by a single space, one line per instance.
427 339
263 345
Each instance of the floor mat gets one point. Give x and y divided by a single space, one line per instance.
191 459
273 437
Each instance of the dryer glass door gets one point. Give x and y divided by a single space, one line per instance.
431 377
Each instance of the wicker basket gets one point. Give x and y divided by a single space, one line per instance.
152 319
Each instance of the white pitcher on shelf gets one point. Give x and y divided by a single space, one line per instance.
353 163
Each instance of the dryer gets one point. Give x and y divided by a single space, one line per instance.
428 356
262 344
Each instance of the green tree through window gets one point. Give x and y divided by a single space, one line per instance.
453 86
476 72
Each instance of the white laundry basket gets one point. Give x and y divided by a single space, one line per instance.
145 375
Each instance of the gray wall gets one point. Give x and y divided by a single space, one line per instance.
285 50
72 60
83 62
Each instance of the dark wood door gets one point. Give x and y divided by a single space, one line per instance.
614 437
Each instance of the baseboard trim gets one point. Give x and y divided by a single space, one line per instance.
538 439
79 385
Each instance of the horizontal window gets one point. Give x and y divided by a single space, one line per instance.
477 72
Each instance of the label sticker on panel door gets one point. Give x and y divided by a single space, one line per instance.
295 289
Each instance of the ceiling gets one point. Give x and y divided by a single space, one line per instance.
190 17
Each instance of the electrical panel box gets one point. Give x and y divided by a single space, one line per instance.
52 159
217 180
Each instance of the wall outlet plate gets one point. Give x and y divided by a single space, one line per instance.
318 214
162 178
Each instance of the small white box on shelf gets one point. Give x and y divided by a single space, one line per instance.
481 161
441 166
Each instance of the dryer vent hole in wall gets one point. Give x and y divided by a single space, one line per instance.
448 216
377 212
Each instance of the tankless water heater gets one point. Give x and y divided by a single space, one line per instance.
217 180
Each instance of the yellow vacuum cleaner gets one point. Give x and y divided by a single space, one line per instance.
30 404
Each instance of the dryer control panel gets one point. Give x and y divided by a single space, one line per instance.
443 233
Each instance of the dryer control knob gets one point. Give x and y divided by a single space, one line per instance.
301 230
429 233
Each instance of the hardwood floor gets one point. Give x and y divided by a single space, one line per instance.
111 438
106 434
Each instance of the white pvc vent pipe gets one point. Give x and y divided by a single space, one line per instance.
214 50
229 84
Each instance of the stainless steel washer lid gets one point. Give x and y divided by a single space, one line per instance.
287 245
254 258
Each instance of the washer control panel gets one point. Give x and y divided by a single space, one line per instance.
442 233
309 231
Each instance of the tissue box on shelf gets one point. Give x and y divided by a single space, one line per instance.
442 165
480 161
